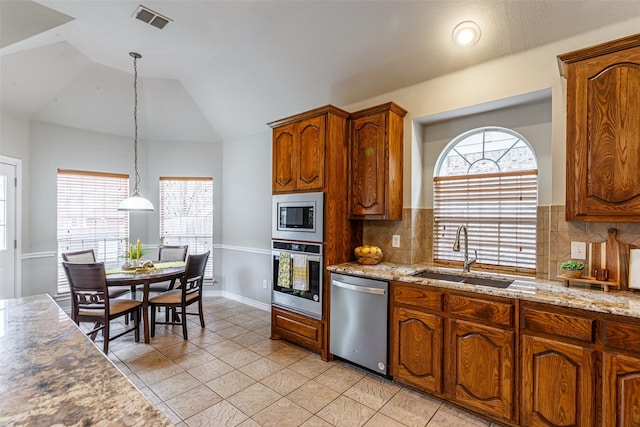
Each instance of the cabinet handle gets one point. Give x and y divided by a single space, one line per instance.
363 289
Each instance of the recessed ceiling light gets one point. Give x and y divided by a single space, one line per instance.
466 33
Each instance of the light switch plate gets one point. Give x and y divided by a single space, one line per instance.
578 250
395 241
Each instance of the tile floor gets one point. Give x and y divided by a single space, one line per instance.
232 374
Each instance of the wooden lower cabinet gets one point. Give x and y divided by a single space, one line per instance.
621 391
295 327
558 384
482 363
417 348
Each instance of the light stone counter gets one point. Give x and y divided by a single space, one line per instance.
624 303
52 374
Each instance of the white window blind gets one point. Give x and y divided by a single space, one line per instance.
487 180
499 211
186 215
88 216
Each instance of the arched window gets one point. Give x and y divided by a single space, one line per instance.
487 180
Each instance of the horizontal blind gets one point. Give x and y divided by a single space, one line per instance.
186 215
88 216
499 211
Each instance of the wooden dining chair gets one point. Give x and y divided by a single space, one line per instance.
86 256
91 301
188 292
168 253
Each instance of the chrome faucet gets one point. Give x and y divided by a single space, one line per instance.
466 265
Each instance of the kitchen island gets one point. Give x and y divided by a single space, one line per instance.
52 374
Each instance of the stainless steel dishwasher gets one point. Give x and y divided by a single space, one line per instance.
359 321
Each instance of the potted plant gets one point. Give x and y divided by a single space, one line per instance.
573 269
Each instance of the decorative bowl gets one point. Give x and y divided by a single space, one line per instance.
573 274
369 259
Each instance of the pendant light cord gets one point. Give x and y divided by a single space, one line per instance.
135 121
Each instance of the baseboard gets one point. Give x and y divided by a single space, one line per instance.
64 300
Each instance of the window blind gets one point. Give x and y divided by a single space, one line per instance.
88 216
186 215
499 211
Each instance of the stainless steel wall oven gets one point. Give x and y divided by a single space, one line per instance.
309 301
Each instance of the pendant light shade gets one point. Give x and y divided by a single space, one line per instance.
136 202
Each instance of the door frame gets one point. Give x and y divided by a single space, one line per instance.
17 163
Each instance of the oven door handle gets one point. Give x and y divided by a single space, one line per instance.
363 289
310 258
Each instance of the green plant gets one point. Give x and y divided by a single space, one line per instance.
134 253
572 265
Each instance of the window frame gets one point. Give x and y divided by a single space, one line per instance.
87 203
515 226
198 242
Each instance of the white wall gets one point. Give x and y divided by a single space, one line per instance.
246 215
532 121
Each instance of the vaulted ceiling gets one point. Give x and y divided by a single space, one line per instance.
222 69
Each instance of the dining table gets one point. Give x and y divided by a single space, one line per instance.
135 277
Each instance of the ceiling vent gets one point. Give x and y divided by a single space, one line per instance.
150 17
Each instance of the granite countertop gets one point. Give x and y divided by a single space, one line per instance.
623 303
52 374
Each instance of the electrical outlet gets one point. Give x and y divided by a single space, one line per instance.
265 282
395 241
579 250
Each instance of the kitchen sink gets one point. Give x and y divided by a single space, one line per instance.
457 278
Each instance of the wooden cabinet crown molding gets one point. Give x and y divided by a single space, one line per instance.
308 114
595 51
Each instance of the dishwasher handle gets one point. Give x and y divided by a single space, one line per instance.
363 289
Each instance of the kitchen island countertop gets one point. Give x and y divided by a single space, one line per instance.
52 374
623 303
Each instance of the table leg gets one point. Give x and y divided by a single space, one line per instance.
145 312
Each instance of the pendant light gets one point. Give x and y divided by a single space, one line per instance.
136 202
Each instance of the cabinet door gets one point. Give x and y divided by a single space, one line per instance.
284 158
416 346
557 384
368 165
621 393
310 162
603 150
482 367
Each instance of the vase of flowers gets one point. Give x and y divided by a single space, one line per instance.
134 254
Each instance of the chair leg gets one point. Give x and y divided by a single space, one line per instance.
136 319
201 313
106 332
153 321
184 321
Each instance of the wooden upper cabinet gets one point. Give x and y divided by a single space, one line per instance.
376 149
300 147
603 131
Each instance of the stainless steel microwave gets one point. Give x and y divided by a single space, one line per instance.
298 217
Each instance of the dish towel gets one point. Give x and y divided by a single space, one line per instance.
284 270
300 273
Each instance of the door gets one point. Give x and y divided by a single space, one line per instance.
482 368
557 384
417 347
8 250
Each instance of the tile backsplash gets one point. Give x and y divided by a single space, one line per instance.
554 237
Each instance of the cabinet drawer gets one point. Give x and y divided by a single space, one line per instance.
559 323
622 336
418 296
471 308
